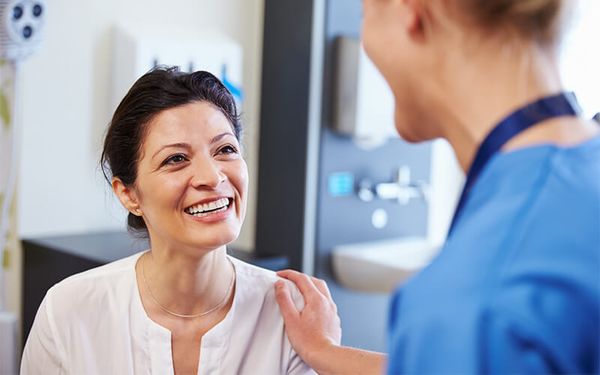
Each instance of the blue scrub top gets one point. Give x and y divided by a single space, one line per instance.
516 288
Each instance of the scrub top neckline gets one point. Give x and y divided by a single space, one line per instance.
541 149
552 146
511 159
214 339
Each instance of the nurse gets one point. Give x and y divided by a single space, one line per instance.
173 156
516 288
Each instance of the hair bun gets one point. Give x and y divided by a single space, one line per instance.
532 19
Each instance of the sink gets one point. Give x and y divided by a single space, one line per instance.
379 267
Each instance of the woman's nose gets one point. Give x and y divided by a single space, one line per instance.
207 174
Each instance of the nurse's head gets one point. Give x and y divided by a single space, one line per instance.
172 155
425 47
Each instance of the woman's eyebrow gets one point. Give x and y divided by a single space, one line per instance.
173 145
220 136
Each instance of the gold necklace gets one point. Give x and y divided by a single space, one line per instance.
212 309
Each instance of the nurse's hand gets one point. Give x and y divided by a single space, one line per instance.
315 331
315 328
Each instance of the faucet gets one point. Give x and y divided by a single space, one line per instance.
401 189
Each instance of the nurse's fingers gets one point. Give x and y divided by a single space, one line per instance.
286 304
303 282
306 284
322 286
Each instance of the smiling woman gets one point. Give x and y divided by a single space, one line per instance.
172 155
190 163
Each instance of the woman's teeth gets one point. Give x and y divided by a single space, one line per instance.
208 208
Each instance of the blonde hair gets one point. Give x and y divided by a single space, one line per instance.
537 20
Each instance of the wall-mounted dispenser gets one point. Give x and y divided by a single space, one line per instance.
136 52
363 102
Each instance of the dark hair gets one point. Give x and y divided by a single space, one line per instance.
160 89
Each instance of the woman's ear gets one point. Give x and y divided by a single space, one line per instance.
127 196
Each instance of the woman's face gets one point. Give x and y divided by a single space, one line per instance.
192 180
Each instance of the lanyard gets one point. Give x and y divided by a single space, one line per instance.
563 104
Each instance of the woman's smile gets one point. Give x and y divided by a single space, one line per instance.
211 209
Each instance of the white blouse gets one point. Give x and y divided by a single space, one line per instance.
94 323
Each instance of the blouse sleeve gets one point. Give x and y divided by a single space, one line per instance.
296 366
42 353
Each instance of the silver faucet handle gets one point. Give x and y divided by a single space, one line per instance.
396 191
402 189
365 191
404 175
388 190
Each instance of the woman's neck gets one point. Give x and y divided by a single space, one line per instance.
187 284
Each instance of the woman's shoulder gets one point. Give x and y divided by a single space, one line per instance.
257 281
89 285
244 269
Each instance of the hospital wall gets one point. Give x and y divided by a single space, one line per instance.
64 107
580 55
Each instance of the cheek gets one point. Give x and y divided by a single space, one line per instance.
243 179
368 38
378 52
373 30
238 176
160 193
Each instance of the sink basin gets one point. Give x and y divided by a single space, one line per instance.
379 267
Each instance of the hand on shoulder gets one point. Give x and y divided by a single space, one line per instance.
315 329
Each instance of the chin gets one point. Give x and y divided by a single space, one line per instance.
218 240
406 136
406 133
208 240
410 129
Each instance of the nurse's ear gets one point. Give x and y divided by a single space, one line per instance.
412 17
127 195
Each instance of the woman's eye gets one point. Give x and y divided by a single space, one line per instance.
175 159
228 150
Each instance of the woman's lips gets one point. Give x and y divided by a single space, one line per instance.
212 211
